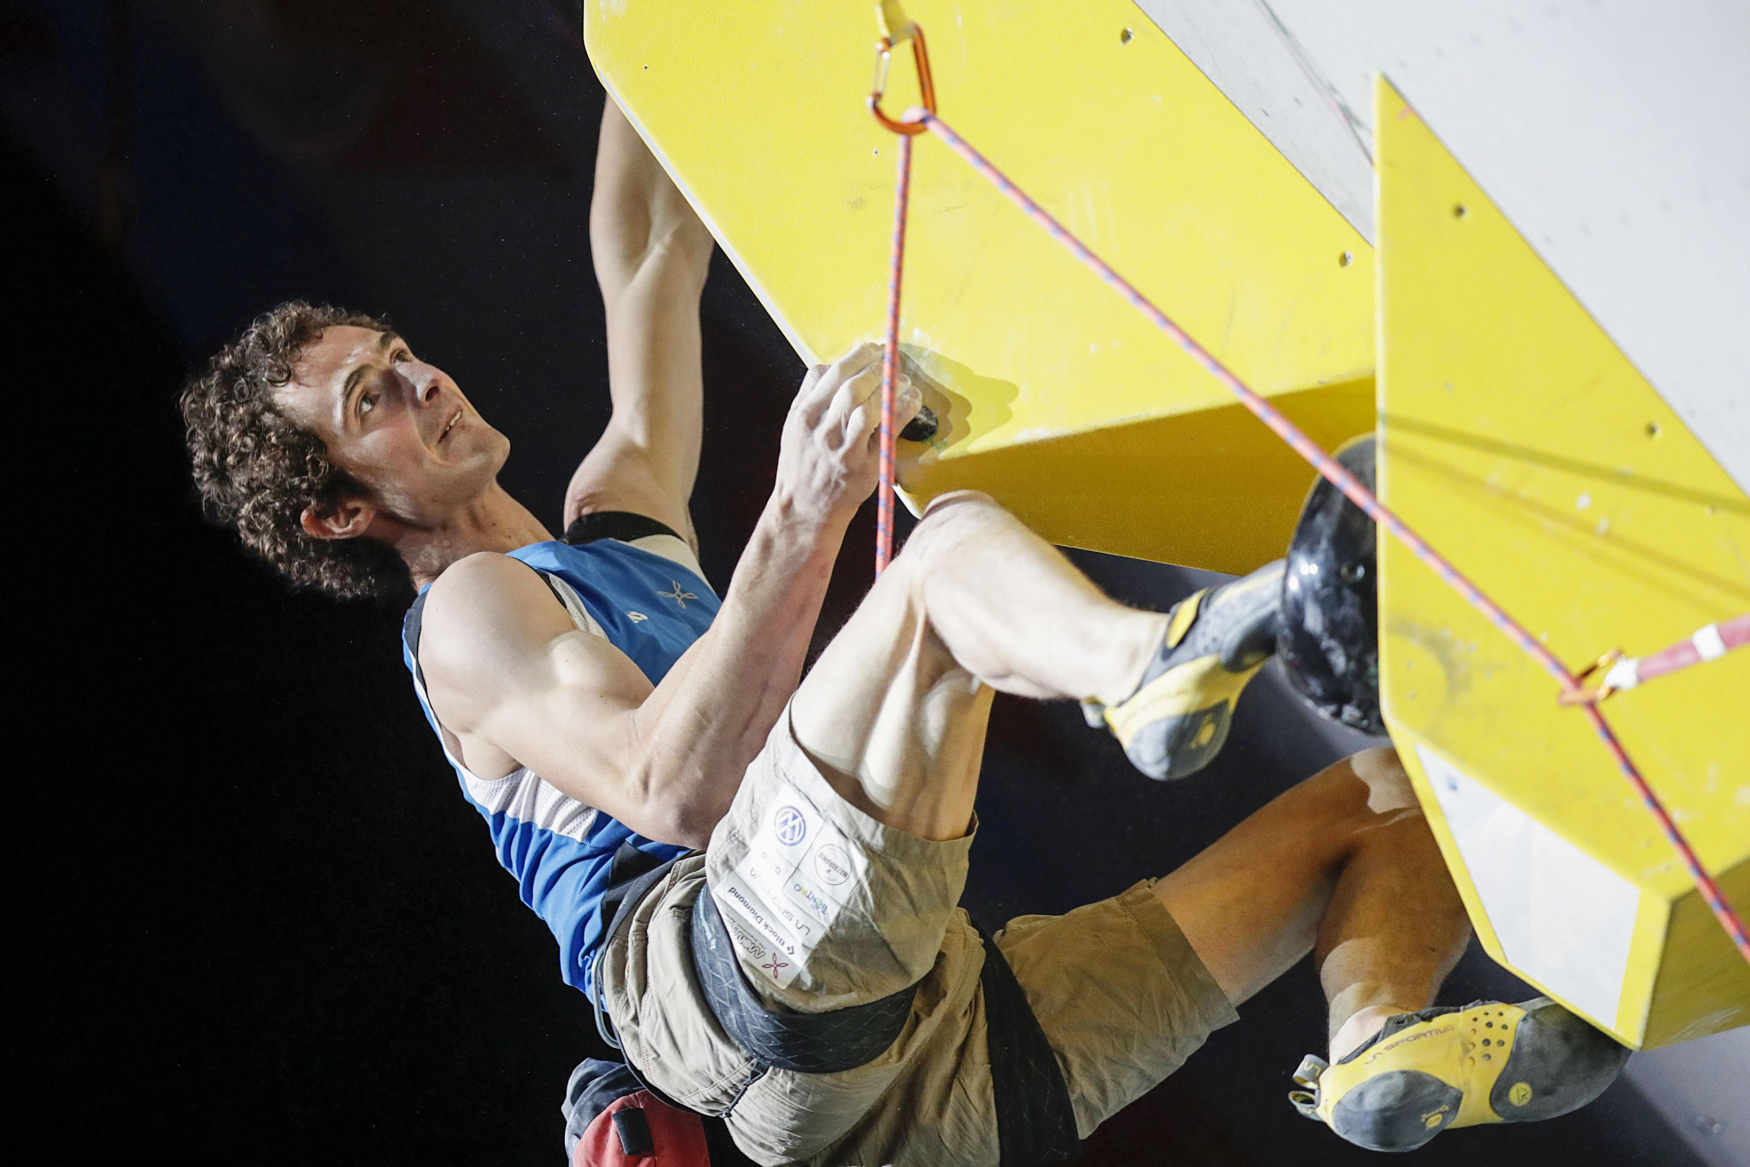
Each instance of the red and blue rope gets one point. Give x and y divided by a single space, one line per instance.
890 362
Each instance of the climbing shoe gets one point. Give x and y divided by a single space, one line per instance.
1487 1062
1217 639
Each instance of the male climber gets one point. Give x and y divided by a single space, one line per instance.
807 973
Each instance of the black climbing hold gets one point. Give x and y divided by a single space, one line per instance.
1328 636
921 428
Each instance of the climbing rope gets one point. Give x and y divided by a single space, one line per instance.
916 121
890 362
895 29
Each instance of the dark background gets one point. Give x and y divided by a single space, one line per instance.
258 924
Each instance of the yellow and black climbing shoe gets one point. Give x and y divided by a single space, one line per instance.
1217 639
1487 1062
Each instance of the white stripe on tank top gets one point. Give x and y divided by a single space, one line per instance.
523 794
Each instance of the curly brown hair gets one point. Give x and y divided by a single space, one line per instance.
257 471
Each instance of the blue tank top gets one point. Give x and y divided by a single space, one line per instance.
559 850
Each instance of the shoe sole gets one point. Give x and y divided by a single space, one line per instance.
1554 1063
1178 720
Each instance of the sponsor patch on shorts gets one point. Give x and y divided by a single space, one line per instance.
798 874
764 940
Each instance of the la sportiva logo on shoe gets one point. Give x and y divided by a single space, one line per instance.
1406 1040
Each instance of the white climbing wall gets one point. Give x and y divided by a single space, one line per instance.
1614 135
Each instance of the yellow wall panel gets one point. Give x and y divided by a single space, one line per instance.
757 110
1520 442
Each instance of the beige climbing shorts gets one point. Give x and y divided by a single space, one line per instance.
828 908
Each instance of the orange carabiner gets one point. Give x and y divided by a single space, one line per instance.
926 86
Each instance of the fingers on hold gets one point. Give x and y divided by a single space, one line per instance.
809 380
814 401
844 400
854 380
865 384
863 393
862 422
908 399
860 357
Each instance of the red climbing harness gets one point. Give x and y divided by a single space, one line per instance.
1572 691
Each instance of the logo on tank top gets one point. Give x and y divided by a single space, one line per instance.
637 617
677 595
789 825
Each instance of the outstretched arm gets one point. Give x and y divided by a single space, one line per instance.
651 257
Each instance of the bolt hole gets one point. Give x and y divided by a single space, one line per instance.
1460 211
1125 37
1652 429
1347 258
